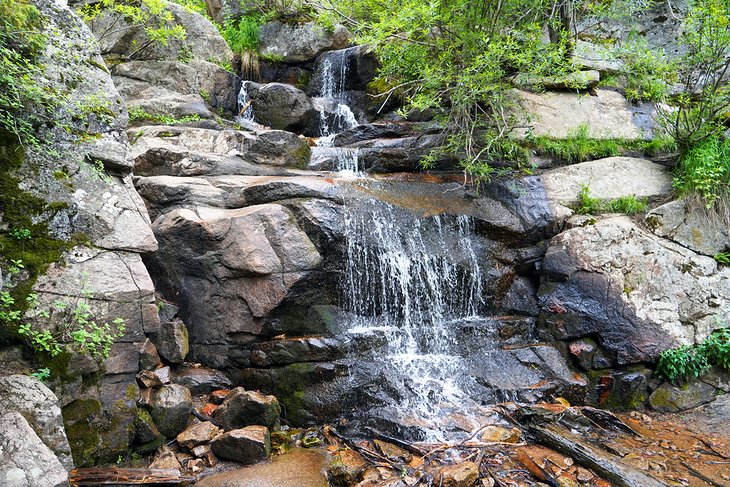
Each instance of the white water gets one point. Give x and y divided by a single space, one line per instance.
412 280
245 117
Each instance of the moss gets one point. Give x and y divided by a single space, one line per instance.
131 392
302 156
82 436
151 446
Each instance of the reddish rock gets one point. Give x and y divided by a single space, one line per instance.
217 397
463 474
209 409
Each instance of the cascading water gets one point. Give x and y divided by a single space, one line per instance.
245 116
336 116
413 281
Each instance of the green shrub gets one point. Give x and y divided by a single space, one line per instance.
705 170
138 114
681 364
717 348
243 36
587 204
630 205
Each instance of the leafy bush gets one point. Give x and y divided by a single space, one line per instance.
683 363
691 361
705 169
589 205
138 114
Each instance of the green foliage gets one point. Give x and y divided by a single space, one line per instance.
21 234
194 6
138 114
578 146
705 169
629 205
681 364
648 72
722 258
691 361
152 16
244 35
42 374
589 205
21 43
62 327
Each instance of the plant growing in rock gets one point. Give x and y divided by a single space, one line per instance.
722 258
681 364
717 348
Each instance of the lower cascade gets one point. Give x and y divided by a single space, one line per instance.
412 281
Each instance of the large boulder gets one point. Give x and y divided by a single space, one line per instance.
243 408
172 406
26 461
608 115
299 43
691 225
671 399
637 293
284 107
247 445
40 407
173 341
119 37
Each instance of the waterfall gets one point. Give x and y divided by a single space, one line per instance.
413 279
245 116
336 116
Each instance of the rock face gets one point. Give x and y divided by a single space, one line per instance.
299 43
88 196
247 445
41 410
638 293
26 460
607 115
670 399
691 226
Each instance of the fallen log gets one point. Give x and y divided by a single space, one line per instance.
82 477
608 466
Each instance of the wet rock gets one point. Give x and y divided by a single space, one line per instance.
670 399
145 429
392 452
149 378
242 408
282 107
200 451
201 380
294 350
501 435
217 397
299 43
346 468
173 341
26 460
631 289
149 359
582 351
246 445
608 179
608 114
197 434
209 409
691 226
166 459
35 402
463 474
624 390
171 409
145 398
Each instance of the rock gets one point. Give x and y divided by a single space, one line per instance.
283 107
293 350
608 179
624 390
201 451
145 398
582 351
26 460
147 378
393 452
501 435
171 409
242 408
463 474
670 399
201 380
145 429
118 38
246 445
634 291
597 57
149 359
690 225
299 43
166 459
608 115
209 409
346 468
217 397
122 359
580 80
35 402
173 340
197 434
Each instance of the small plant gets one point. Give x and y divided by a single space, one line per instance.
681 364
42 374
578 146
587 204
630 205
705 169
717 348
21 234
722 258
138 114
